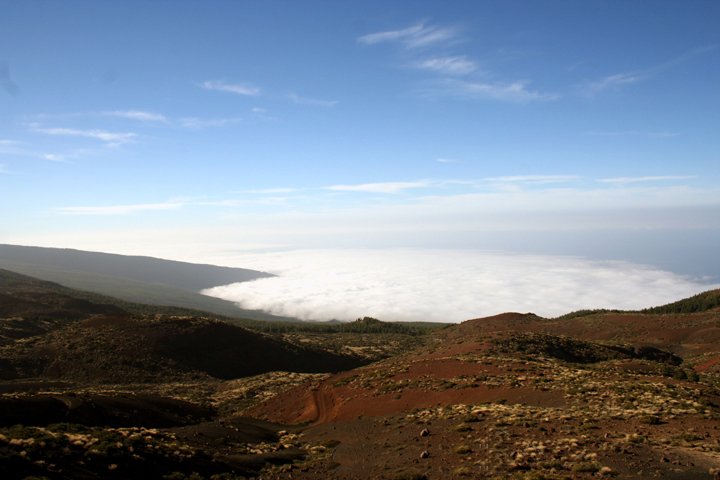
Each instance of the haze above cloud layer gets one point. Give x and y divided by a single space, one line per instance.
445 286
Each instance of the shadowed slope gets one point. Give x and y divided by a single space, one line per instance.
30 307
51 331
122 349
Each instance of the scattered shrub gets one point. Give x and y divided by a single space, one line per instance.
463 449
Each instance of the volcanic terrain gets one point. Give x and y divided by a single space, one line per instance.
93 389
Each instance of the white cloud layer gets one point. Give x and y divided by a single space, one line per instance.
444 285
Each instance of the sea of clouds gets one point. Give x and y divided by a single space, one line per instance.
444 285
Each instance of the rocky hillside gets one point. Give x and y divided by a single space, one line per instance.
604 395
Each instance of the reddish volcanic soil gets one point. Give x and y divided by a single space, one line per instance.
462 407
91 392
333 400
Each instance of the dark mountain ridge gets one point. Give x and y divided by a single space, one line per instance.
137 279
183 275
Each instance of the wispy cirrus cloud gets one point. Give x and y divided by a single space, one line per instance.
262 200
195 122
105 210
620 80
237 88
313 102
6 81
11 147
271 191
533 179
64 156
446 160
15 148
52 157
176 204
687 56
613 82
110 138
651 178
504 184
449 184
630 133
415 36
40 119
511 92
449 66
381 187
140 115
453 65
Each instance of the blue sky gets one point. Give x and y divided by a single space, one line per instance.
180 128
